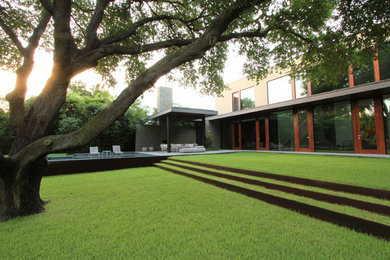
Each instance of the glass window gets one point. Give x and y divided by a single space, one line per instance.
386 120
262 132
279 90
235 102
303 129
281 128
384 62
364 74
367 124
248 134
333 127
226 134
248 98
300 88
236 126
322 86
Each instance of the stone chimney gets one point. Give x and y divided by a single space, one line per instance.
164 98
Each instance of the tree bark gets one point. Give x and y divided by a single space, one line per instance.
20 187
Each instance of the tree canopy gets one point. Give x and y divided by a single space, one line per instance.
190 36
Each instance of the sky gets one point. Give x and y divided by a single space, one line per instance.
182 96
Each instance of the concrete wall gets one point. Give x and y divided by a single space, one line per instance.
149 135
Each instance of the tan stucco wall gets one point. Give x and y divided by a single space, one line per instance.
224 104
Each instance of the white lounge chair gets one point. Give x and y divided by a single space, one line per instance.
116 149
94 150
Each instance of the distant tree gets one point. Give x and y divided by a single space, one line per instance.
192 36
82 104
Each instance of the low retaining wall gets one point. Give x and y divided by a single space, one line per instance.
94 165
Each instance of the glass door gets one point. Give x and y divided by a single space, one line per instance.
236 135
303 130
262 130
369 126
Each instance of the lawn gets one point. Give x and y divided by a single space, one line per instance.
150 213
367 172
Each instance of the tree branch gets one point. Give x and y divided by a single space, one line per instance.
38 32
250 34
146 80
14 38
52 97
89 59
298 35
48 5
96 19
133 29
17 96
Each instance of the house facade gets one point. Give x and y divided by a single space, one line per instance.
287 113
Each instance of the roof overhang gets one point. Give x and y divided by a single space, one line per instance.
361 91
184 112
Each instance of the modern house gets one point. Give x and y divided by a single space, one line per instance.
286 113
172 125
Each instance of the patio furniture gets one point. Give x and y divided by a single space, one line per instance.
106 153
116 149
164 147
194 149
94 150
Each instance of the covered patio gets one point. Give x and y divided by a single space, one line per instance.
171 118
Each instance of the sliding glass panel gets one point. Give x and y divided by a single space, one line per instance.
384 62
333 127
303 129
386 120
248 98
226 134
248 134
281 128
367 124
236 134
262 132
279 90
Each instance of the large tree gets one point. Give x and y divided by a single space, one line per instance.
191 36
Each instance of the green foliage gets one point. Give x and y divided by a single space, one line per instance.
334 34
81 104
209 137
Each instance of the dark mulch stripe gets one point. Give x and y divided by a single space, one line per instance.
355 223
381 194
372 207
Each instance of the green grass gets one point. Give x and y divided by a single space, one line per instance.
57 154
334 207
367 172
150 213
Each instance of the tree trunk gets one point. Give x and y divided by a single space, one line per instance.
19 188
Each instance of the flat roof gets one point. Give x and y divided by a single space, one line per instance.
361 91
185 112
